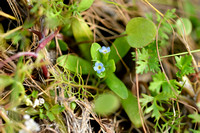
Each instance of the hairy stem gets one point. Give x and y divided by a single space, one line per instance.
32 54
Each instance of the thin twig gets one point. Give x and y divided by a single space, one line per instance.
138 98
99 40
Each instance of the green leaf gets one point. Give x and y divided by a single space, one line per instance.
184 26
84 5
80 29
46 105
156 110
9 128
117 86
140 32
170 14
5 81
142 63
154 107
63 46
160 84
147 59
195 117
42 116
17 94
110 66
185 65
130 106
146 99
189 8
56 109
162 97
122 47
74 64
194 131
158 80
82 32
106 104
3 44
73 105
50 115
95 54
34 94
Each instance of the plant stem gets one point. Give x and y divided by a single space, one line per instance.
33 54
44 41
183 53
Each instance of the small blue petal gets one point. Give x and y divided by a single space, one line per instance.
100 64
98 71
96 64
104 50
103 69
108 49
95 68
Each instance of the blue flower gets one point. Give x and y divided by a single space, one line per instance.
99 67
104 50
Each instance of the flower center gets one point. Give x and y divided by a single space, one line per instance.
99 67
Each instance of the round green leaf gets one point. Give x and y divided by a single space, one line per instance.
106 104
140 32
184 26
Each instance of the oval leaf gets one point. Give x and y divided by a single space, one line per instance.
74 64
82 32
95 51
106 104
184 26
80 29
110 66
117 86
130 106
84 5
140 32
122 47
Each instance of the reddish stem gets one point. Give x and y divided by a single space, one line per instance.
33 54
44 41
